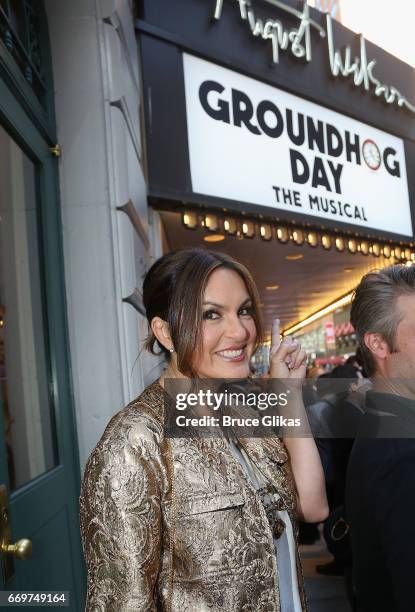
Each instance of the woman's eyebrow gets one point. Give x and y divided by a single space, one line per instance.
213 304
222 306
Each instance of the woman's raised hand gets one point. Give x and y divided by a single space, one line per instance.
287 359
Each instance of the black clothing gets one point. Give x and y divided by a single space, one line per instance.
380 505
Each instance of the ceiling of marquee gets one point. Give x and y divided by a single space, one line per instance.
305 285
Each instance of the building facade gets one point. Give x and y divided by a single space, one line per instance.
77 238
109 235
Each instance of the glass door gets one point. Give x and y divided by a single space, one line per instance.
39 471
28 415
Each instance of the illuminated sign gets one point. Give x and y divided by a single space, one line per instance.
298 41
251 142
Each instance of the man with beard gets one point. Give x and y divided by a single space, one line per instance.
380 491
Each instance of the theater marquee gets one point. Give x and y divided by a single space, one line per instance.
252 142
272 110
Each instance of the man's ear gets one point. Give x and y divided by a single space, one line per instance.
377 345
160 329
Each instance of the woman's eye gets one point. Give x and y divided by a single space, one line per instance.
247 311
210 315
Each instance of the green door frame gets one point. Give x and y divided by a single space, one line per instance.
33 129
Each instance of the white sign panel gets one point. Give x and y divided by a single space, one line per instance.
251 142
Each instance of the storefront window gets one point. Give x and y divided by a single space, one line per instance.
24 366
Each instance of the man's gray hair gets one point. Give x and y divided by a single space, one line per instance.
374 306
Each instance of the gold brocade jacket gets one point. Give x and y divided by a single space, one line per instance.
174 524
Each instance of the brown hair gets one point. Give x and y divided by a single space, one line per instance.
374 306
173 290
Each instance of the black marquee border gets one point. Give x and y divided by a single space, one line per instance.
168 28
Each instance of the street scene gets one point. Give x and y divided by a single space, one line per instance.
207 305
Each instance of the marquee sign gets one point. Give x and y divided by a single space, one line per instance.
298 41
252 142
270 108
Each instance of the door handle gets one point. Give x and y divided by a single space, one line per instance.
22 549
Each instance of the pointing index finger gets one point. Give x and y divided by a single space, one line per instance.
275 334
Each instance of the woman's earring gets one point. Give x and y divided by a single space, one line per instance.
171 350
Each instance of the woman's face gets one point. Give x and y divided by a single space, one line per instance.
228 329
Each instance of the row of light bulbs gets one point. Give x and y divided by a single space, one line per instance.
249 229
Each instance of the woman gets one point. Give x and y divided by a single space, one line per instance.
195 524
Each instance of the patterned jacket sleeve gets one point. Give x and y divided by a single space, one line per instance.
120 515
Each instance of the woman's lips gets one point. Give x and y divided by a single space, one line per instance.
235 355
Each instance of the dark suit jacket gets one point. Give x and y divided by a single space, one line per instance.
380 505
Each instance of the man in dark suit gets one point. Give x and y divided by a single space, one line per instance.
380 490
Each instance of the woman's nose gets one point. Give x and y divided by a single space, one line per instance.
236 329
